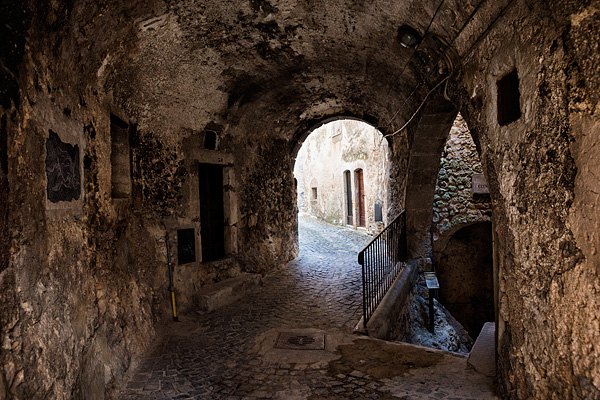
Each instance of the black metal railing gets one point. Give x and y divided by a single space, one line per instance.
381 263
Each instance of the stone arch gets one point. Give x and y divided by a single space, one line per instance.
464 266
350 145
427 142
302 133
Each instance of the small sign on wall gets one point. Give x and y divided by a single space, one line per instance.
479 184
64 148
62 170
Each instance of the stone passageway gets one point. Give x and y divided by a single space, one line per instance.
229 354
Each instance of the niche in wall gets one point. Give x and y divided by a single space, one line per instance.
120 159
63 173
186 246
508 101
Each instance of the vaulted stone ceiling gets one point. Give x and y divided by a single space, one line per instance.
284 63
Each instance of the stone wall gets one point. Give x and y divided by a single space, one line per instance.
86 278
539 168
330 151
462 246
454 203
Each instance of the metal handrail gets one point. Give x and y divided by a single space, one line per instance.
380 261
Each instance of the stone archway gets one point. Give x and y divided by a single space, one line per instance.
464 266
257 78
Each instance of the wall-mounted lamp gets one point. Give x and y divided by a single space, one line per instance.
408 37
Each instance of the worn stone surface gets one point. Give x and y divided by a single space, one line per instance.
322 162
538 169
86 283
232 354
454 204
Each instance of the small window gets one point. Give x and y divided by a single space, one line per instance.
210 140
120 158
314 193
186 246
509 107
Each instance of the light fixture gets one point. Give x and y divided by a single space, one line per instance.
408 37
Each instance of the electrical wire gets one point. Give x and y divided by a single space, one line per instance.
444 53
418 109
414 51
447 47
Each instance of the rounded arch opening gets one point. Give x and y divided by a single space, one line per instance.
341 167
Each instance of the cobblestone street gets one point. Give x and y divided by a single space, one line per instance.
228 354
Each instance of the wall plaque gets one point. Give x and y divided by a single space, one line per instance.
62 170
479 184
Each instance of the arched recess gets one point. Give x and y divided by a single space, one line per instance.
464 267
426 148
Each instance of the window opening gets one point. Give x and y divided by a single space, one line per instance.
186 246
314 193
212 213
509 108
120 158
210 140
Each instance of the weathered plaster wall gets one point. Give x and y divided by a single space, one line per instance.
540 169
325 155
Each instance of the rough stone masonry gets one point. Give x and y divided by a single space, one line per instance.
236 85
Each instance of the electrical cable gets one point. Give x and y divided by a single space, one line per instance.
418 109
416 48
444 53
447 47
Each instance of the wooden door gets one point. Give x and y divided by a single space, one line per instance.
361 198
349 205
212 219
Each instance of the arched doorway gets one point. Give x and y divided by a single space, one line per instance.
464 268
342 173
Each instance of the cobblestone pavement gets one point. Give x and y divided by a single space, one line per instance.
216 355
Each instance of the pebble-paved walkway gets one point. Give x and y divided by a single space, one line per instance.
210 356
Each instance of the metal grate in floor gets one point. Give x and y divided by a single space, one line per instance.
300 341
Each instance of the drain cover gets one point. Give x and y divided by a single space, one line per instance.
300 341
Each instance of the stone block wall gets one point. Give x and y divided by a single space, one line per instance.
454 203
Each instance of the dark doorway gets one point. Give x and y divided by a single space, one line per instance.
465 271
348 191
4 241
360 185
212 215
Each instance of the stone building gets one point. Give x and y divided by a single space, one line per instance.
341 171
123 121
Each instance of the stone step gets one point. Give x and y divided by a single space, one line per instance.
222 293
483 354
